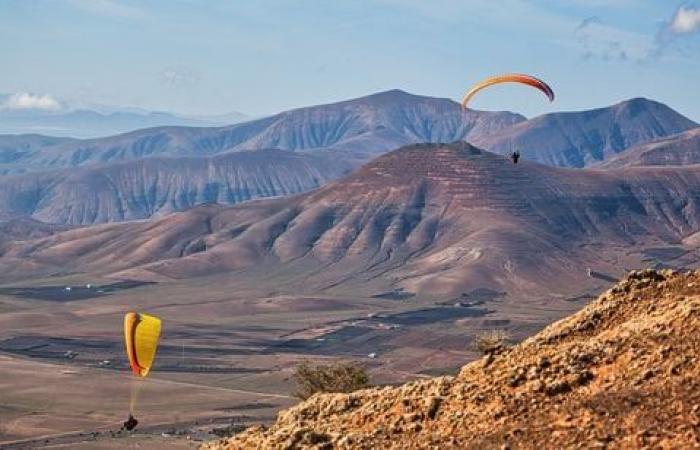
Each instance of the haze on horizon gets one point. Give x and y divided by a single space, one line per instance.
267 56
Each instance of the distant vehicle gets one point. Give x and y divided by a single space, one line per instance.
372 355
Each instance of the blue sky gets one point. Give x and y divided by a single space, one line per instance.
264 56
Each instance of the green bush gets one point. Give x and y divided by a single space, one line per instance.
339 377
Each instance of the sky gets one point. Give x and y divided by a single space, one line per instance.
264 56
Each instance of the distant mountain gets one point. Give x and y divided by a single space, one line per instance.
431 218
138 189
579 139
86 122
17 147
361 128
367 126
352 132
22 228
677 150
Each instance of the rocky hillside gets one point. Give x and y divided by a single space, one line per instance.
677 150
622 373
139 189
434 219
583 138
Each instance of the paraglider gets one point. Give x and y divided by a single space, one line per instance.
141 336
528 80
508 78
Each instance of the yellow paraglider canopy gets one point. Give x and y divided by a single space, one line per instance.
141 335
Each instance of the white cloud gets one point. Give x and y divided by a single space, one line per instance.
601 41
179 76
25 100
685 21
674 33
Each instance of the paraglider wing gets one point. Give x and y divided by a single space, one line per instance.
141 335
509 78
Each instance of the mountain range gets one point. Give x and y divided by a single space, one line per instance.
435 219
113 179
92 121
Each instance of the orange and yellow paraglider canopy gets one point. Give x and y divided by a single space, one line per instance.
509 78
141 336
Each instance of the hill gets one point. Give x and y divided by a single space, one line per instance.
583 138
621 373
139 189
435 219
678 150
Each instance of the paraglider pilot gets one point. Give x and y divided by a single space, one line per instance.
130 423
515 156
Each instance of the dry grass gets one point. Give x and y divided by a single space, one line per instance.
340 377
490 341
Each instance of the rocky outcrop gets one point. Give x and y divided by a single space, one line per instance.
622 373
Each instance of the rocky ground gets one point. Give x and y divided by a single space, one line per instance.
623 372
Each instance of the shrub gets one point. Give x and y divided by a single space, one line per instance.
339 377
490 341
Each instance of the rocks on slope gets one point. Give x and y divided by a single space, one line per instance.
624 373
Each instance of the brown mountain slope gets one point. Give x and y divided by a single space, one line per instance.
678 150
432 218
622 373
583 138
139 189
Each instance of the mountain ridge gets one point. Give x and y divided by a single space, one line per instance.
352 131
429 218
583 138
